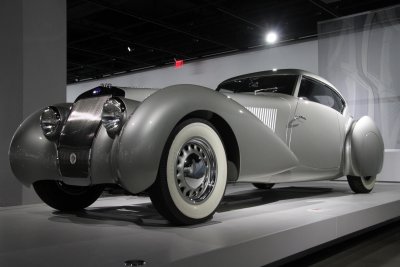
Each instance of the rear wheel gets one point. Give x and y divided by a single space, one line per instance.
361 184
263 186
63 197
192 175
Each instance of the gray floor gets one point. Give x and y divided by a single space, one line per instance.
251 228
377 247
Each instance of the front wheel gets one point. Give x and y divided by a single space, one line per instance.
192 175
361 184
63 197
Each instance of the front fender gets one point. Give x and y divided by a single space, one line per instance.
142 140
32 156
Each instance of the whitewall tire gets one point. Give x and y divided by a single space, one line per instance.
193 174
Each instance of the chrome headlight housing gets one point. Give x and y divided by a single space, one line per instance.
113 115
50 122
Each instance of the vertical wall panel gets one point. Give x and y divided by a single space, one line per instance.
360 55
11 94
33 74
44 59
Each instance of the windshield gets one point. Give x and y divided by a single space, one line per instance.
282 84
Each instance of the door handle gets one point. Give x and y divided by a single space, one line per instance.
298 117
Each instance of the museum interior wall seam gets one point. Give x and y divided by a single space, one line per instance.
359 54
33 67
210 72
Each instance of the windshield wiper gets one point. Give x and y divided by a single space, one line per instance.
265 90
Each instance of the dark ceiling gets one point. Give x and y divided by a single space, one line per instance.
159 31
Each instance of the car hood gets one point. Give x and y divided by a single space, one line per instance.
139 94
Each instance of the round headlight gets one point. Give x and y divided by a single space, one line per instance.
113 115
50 122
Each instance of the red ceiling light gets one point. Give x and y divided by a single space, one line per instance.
178 63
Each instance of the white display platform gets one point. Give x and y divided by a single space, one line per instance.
251 228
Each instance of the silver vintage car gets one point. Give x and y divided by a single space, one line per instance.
184 143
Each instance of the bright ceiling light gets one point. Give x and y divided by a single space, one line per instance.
271 37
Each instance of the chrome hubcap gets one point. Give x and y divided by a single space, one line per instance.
195 170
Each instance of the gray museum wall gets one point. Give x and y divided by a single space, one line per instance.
33 74
210 72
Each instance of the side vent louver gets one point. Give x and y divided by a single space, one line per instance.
266 115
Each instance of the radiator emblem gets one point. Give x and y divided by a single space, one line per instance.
72 158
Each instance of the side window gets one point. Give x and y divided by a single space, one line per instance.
318 92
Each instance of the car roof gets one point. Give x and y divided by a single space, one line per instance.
284 72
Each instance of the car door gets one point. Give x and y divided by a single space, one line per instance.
315 130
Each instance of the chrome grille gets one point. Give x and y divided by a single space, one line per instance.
77 137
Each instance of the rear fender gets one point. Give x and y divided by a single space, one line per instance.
364 149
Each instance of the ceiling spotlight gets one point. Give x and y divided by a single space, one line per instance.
271 37
130 49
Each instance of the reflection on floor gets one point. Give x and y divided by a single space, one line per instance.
237 197
251 228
